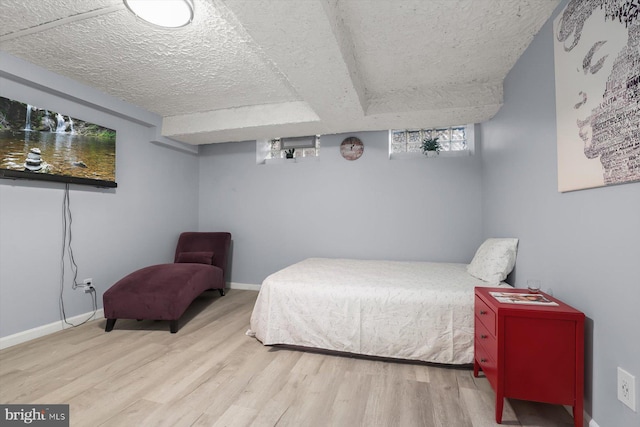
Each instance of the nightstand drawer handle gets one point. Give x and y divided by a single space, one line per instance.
484 337
483 312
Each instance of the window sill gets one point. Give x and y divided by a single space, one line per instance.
289 161
408 156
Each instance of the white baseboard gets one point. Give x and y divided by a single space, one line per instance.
244 286
40 331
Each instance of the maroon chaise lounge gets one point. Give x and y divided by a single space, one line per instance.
164 291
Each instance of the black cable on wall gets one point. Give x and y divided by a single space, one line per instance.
67 220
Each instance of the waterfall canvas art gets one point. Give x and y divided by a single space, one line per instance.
37 143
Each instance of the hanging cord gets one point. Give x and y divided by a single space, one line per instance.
66 248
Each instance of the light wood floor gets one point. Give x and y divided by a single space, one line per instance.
211 374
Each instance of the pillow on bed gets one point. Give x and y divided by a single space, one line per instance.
195 257
494 260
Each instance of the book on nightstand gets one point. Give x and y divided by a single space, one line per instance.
522 298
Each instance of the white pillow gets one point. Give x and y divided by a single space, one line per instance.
494 260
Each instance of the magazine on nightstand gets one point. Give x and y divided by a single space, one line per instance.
522 298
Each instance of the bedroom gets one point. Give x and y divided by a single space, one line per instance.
581 245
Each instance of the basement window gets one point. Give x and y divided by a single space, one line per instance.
454 140
300 148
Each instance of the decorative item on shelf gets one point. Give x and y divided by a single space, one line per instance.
289 153
430 147
351 148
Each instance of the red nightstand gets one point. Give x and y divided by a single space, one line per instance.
530 352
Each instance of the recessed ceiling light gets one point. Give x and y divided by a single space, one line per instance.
164 13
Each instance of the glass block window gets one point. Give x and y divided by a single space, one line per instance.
302 147
454 138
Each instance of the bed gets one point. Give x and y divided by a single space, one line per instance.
393 309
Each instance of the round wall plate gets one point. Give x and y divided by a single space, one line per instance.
351 148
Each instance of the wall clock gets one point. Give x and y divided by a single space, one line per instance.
351 148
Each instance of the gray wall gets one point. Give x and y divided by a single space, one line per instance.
370 208
114 231
583 245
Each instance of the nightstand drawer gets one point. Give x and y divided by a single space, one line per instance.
487 364
485 315
486 339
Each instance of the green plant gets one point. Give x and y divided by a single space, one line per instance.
430 144
289 153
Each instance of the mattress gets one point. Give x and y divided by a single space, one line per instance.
405 310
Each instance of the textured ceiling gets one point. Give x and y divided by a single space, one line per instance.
249 69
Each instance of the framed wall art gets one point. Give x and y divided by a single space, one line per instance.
597 73
41 144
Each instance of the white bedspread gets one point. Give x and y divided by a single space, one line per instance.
407 310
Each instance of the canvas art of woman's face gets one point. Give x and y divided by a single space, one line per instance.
599 70
596 56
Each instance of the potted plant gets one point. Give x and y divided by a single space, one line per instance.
430 146
289 153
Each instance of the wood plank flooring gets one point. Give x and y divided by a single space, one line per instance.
211 374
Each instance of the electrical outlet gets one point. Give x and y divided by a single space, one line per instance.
88 282
88 289
627 388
